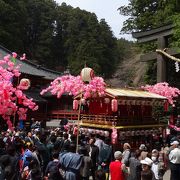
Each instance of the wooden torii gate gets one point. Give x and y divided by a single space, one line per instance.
160 35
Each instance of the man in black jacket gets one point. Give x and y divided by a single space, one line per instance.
93 151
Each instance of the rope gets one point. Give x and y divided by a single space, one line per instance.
167 55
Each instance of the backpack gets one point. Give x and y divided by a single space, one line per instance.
54 170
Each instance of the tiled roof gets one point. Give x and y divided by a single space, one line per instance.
27 67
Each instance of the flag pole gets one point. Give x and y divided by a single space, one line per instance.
78 122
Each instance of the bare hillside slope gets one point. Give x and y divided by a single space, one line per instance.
130 71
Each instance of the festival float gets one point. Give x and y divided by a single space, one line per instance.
125 115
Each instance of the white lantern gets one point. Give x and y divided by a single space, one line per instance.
97 131
128 133
87 74
106 133
24 84
101 132
83 101
132 133
106 100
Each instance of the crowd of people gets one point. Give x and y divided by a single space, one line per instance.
54 155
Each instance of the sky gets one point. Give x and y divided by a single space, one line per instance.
104 9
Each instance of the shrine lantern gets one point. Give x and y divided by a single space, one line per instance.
75 104
87 74
24 84
114 105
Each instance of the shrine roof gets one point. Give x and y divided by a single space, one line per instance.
116 92
35 94
28 67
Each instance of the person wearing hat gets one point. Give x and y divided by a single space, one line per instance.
118 170
174 158
126 154
158 166
147 173
144 152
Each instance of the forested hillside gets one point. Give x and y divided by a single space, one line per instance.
61 37
58 36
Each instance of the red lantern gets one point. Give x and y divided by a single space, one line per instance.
75 104
166 106
114 105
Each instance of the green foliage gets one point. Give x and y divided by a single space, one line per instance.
147 14
58 36
176 33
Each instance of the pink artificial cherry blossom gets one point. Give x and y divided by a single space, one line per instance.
10 94
74 85
164 89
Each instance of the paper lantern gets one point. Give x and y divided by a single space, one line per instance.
128 133
97 131
114 136
24 84
106 133
89 131
114 105
146 132
75 104
137 133
93 131
133 102
83 101
87 74
138 102
106 100
101 132
122 134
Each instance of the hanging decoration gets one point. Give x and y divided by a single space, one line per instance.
114 105
87 74
106 100
106 133
114 136
75 104
166 106
24 84
177 66
83 101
